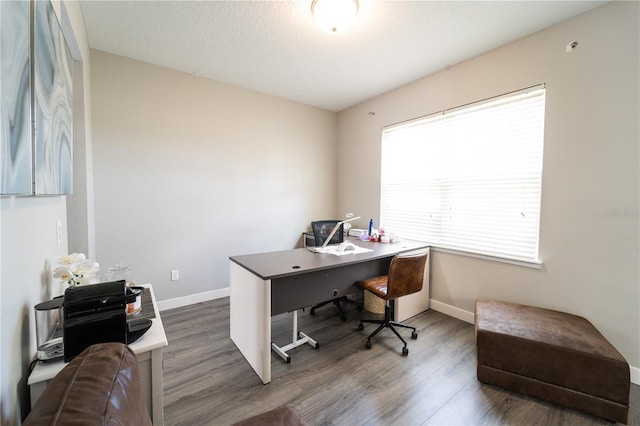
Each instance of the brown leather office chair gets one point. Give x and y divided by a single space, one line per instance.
406 274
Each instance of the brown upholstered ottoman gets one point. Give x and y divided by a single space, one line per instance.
553 356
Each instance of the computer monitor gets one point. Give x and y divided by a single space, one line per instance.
329 233
322 229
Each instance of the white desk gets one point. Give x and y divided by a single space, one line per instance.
266 284
148 350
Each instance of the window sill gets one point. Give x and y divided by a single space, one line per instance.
533 264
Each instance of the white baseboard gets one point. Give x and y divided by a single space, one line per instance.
635 375
452 311
469 317
191 299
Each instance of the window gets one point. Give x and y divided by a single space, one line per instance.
468 179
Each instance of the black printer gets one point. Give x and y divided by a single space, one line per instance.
96 313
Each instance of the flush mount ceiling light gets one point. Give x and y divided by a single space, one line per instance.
334 16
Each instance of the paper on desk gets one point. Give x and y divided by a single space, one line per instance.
334 250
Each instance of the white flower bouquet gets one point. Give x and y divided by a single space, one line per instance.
76 269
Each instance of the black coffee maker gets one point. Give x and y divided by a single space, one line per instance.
93 314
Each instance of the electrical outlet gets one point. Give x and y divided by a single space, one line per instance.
175 275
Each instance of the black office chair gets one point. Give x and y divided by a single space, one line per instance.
406 274
321 230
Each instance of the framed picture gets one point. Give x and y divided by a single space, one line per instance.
52 107
15 93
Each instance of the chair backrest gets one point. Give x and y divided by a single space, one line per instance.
406 274
322 229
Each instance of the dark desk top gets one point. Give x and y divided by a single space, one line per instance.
278 264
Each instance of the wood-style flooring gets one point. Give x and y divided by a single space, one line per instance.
208 382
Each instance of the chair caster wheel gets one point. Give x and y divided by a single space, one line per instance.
405 351
317 346
312 311
343 317
367 345
288 359
361 327
414 335
359 308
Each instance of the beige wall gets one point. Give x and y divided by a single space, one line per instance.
28 236
591 257
189 171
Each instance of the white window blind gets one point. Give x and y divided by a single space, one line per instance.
468 179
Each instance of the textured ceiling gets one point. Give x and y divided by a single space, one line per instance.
275 48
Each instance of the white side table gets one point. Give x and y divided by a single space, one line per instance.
148 350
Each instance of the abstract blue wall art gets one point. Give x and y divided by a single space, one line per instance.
15 94
53 99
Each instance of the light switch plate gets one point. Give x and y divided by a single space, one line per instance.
59 231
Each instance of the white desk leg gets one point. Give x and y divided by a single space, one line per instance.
250 318
157 399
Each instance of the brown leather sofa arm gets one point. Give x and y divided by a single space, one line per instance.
101 386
